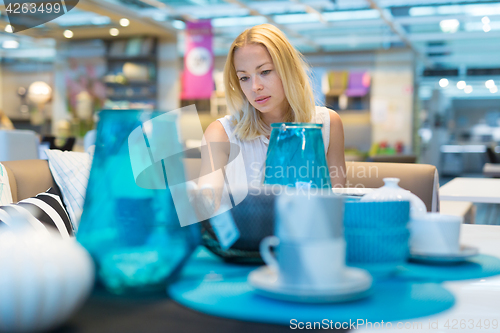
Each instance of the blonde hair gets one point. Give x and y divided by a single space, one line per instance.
290 67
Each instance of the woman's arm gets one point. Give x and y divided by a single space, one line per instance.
335 155
214 156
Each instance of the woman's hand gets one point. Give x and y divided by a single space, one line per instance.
202 200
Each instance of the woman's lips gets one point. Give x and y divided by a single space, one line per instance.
262 100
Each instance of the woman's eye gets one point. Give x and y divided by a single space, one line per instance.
266 72
243 78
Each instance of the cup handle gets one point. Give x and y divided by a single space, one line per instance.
265 251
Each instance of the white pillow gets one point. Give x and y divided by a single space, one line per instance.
71 173
5 193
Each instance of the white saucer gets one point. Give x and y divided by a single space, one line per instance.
464 253
356 285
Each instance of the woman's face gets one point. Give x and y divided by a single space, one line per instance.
259 80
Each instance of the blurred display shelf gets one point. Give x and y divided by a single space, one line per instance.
25 124
131 83
354 116
358 104
397 158
129 98
133 58
131 71
355 158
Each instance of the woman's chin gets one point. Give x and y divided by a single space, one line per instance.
263 108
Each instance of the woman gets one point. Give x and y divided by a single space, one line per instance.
266 82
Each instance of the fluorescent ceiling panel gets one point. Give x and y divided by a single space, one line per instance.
352 15
212 11
81 18
238 21
478 26
329 16
277 7
295 18
473 10
351 4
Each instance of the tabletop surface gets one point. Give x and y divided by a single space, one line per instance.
481 190
105 313
476 300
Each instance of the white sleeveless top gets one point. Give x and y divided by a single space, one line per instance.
254 151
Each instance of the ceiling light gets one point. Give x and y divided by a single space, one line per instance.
486 28
489 84
114 32
124 22
493 89
10 44
68 33
468 89
8 28
485 20
443 83
461 84
449 26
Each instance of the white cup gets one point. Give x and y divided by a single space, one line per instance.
304 217
309 240
311 265
434 233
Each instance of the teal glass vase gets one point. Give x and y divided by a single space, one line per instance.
136 217
296 156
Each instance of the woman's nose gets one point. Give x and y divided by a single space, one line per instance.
256 84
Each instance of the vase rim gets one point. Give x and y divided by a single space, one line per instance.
292 125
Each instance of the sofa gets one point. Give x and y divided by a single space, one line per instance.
420 179
27 178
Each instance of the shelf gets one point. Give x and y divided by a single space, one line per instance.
134 97
131 83
141 52
150 58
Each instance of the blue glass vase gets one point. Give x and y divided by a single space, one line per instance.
296 156
132 216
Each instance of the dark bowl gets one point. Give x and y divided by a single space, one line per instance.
254 218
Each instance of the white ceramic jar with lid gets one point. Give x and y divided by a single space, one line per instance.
392 192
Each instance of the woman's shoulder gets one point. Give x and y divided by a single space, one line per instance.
216 132
323 113
227 121
324 110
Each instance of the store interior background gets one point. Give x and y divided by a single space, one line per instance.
413 53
